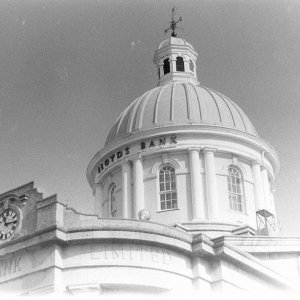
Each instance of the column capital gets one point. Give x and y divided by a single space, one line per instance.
263 167
198 149
209 149
136 157
126 161
273 187
256 162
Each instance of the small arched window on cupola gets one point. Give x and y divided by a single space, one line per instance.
191 66
179 64
112 201
235 190
166 66
167 188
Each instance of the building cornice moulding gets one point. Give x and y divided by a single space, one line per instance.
201 136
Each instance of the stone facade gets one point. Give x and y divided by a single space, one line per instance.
188 159
68 252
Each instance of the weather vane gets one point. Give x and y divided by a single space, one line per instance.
173 23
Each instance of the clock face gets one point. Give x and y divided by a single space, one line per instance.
9 221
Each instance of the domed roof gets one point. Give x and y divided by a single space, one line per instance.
174 41
180 103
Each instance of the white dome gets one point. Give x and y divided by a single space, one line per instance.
179 103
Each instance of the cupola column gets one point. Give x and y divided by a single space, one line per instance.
258 186
211 183
186 65
196 185
161 70
98 191
138 192
172 64
126 191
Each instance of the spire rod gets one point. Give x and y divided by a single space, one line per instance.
173 23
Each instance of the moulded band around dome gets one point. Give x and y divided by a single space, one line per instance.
174 41
180 103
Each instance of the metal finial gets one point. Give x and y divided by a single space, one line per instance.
173 23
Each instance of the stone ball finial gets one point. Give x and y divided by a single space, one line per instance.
144 215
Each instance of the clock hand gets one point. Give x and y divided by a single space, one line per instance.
7 223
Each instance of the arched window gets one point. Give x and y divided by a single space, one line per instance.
112 201
235 190
167 187
191 66
179 64
166 66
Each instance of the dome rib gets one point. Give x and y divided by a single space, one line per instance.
198 100
187 102
140 112
180 103
239 112
217 106
172 103
127 113
156 105
226 102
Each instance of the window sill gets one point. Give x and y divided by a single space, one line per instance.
170 209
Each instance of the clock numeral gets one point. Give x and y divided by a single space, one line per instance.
9 223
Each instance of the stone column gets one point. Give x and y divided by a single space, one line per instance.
172 64
196 185
266 188
126 190
138 189
98 199
161 70
211 183
186 65
258 186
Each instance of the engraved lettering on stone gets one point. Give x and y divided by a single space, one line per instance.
143 252
121 252
17 266
130 252
10 266
166 257
117 251
154 254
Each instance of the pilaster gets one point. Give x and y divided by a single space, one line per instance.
126 190
211 183
258 186
196 185
138 188
98 199
266 187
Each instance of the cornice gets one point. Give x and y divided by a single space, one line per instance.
202 131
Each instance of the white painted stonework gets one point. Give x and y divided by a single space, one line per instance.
200 243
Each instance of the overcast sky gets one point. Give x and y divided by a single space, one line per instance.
69 68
